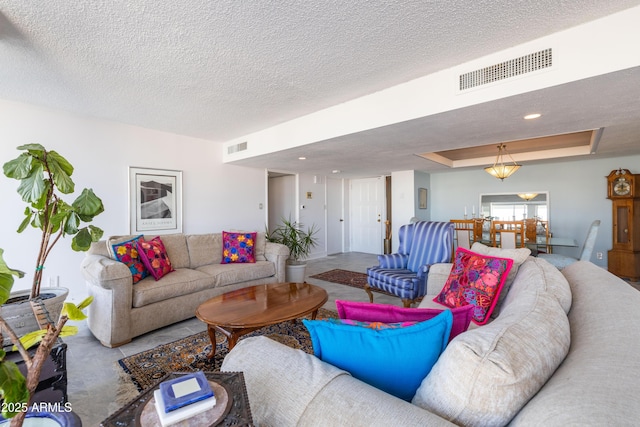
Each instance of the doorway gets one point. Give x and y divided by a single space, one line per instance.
335 216
368 213
282 198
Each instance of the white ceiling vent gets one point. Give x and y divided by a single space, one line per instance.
238 147
511 68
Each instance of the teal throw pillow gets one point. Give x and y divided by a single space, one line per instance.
394 360
127 253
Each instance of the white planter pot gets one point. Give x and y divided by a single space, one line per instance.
19 315
294 273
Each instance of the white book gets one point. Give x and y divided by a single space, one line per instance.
169 418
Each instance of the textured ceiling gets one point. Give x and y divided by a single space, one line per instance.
222 69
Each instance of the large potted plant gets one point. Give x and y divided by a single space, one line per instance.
17 391
300 242
44 177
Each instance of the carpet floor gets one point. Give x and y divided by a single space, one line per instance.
348 278
144 369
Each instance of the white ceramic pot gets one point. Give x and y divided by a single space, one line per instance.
294 273
20 316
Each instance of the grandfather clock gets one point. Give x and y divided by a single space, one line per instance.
623 188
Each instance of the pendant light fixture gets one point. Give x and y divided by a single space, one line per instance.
499 169
527 196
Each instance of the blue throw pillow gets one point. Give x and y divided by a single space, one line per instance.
393 360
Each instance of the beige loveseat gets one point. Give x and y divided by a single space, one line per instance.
122 310
563 351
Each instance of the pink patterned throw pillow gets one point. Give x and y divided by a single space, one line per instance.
386 313
155 258
238 247
127 253
475 280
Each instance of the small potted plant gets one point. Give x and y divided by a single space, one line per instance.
300 242
16 391
45 176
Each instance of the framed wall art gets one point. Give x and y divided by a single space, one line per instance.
422 198
155 201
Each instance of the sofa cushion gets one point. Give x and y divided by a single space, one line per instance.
126 251
176 247
382 357
262 376
238 247
486 375
182 281
227 274
154 256
477 280
204 249
386 313
518 256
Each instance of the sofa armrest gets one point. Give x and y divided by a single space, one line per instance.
111 284
278 254
278 395
288 387
438 275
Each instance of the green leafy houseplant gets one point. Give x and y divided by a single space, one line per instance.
15 389
292 235
44 176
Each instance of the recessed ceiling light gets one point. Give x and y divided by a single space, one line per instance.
532 116
335 171
302 158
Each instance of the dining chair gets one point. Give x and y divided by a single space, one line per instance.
464 231
507 234
561 261
478 229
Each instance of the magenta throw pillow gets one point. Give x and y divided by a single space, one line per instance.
475 280
385 313
155 258
238 247
127 253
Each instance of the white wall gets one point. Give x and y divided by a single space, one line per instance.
577 195
215 196
311 211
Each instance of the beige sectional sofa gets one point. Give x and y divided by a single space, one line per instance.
563 351
122 310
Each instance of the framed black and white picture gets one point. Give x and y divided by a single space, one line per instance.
155 200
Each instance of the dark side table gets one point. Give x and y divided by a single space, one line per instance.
235 409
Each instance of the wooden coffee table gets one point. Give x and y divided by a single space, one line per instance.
239 312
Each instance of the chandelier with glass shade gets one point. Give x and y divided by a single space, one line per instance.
499 169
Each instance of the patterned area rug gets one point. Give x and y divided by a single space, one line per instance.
190 354
346 277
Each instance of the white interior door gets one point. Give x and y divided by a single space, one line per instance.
366 208
335 218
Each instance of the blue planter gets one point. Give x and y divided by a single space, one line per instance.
47 419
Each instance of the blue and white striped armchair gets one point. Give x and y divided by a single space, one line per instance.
404 273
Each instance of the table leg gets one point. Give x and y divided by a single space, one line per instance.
314 314
212 336
232 339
